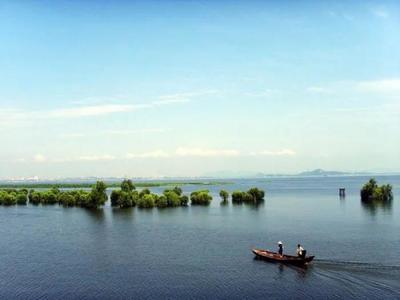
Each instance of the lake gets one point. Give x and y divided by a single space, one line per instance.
205 252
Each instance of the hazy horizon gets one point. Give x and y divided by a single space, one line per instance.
181 89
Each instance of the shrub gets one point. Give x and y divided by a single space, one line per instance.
201 197
161 202
34 197
98 195
22 198
66 199
238 196
173 198
224 195
184 200
371 191
9 198
127 186
256 195
147 201
115 195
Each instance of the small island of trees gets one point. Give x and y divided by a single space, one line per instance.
372 192
252 196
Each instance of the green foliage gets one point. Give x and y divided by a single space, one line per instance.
224 195
178 190
98 195
161 202
114 197
127 186
66 199
21 198
34 197
372 192
201 197
126 197
173 198
49 197
184 200
256 194
147 201
8 197
144 192
252 196
237 197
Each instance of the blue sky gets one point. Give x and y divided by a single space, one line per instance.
191 88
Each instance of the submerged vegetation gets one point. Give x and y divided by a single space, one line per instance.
125 197
12 197
88 199
253 195
224 196
201 197
372 192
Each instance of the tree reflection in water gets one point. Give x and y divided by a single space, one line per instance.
374 206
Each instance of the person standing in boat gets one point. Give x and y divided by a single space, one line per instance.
280 248
300 251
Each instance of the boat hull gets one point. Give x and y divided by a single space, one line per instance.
286 259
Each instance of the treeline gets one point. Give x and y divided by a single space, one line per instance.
371 191
126 196
89 199
252 196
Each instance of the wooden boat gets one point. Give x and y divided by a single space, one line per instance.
286 259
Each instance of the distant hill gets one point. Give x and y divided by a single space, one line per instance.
320 172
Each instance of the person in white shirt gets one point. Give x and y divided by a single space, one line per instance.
300 251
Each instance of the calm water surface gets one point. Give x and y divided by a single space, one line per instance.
204 252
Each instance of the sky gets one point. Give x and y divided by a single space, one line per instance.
198 88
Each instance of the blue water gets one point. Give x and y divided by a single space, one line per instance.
51 252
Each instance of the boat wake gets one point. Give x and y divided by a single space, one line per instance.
360 277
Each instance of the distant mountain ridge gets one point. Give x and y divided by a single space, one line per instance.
320 172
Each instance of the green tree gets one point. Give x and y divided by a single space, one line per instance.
34 197
127 185
66 199
372 192
224 196
147 201
256 195
161 202
21 199
98 195
115 195
201 197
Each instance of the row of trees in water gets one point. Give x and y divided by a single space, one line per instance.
126 196
84 198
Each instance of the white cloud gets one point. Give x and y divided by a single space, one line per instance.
205 152
282 152
263 93
380 86
171 101
93 110
152 154
97 157
317 90
135 131
39 158
380 13
116 132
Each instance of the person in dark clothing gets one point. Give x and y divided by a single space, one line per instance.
280 248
